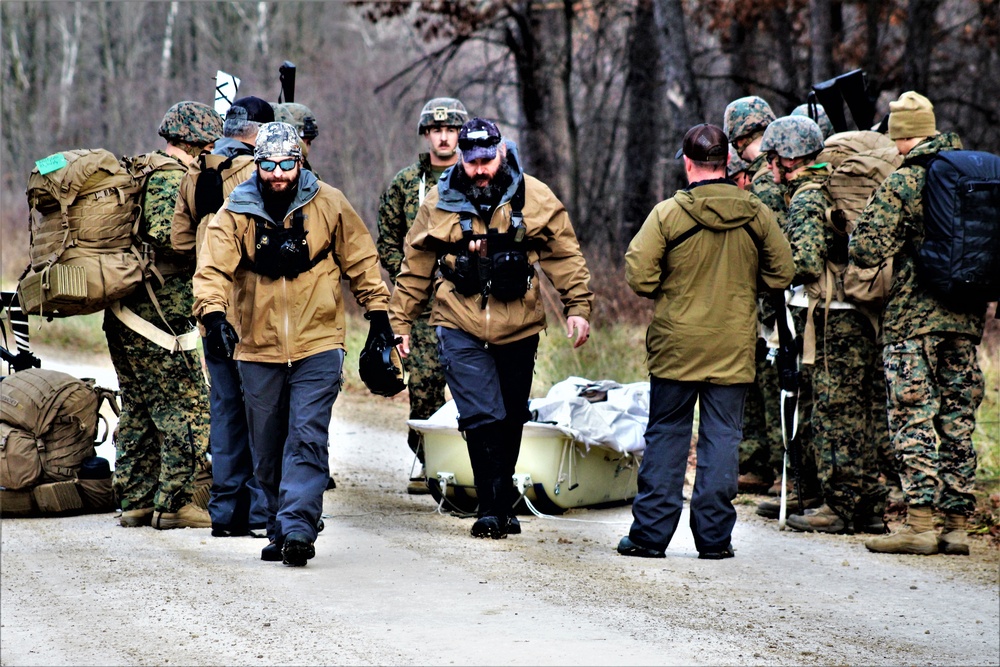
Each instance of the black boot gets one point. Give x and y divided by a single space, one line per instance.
488 464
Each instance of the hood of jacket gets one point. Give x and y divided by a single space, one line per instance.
229 147
247 199
455 201
718 205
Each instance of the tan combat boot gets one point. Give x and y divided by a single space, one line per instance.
917 536
189 516
136 518
820 520
954 539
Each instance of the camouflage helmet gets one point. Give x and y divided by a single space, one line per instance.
282 114
745 116
792 137
191 123
442 112
825 125
302 118
736 163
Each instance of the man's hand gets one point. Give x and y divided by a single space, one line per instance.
404 345
580 326
220 336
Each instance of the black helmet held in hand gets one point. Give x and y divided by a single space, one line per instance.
380 368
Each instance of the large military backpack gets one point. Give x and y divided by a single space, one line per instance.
959 258
85 220
48 437
859 162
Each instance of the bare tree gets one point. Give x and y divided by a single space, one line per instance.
643 135
67 71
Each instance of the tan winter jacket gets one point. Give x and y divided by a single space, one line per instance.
704 326
283 320
546 222
186 234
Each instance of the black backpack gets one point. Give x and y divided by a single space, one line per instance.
959 259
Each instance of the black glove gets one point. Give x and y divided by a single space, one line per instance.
380 329
220 336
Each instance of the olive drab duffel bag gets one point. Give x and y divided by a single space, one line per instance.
85 215
48 436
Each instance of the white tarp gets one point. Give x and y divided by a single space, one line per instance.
617 423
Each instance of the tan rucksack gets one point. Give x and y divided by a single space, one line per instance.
85 214
48 426
859 162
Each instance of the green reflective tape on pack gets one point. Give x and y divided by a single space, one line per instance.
51 163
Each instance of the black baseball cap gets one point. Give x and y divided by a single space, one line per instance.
705 143
258 110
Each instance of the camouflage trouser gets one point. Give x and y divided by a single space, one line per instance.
935 387
888 461
803 442
847 383
426 382
162 436
761 449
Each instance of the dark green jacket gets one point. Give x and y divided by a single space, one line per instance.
704 326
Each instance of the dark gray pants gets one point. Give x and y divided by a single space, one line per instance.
657 506
288 414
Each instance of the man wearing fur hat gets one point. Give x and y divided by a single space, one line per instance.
934 381
283 240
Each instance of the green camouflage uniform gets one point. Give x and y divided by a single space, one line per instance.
397 209
162 435
846 380
934 380
761 450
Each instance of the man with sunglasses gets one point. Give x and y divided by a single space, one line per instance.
439 123
486 225
284 240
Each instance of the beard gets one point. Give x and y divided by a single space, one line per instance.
485 196
276 202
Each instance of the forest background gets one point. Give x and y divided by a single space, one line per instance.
597 93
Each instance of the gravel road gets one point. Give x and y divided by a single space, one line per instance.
396 582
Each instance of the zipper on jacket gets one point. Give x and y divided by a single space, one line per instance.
284 294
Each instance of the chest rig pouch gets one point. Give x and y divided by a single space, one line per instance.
284 252
504 270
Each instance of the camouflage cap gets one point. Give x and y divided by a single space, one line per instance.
746 116
302 118
442 112
736 163
825 125
191 123
792 137
275 139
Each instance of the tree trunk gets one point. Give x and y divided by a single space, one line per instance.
70 40
537 39
920 35
167 50
683 99
642 141
821 41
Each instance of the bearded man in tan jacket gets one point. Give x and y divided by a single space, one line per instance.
486 225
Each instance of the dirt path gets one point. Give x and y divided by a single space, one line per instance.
395 582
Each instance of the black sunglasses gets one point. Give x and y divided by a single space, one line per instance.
484 142
271 165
